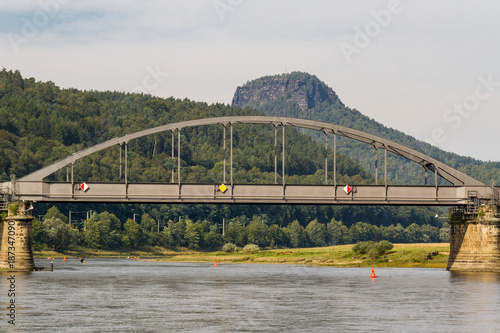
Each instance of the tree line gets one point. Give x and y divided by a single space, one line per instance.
106 231
41 123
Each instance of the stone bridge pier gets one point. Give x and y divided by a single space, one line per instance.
15 239
475 241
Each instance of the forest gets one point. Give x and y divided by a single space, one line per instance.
41 123
324 105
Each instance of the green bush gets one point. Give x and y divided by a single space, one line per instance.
251 248
373 249
363 247
230 247
384 246
373 253
14 209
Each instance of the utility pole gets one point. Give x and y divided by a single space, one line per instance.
223 226
70 218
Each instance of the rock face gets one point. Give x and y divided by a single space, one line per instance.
301 88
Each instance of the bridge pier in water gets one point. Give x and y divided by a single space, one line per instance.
475 241
16 242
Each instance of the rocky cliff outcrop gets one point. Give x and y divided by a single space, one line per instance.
301 88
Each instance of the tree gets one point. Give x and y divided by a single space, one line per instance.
53 212
213 239
297 234
168 233
393 233
114 239
400 234
317 233
110 220
362 231
99 230
257 232
38 233
337 233
235 233
103 222
414 233
192 236
277 236
134 235
430 233
444 233
178 232
59 234
148 223
92 234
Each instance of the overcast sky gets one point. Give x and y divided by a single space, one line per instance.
428 68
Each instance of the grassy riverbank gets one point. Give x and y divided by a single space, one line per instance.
402 255
83 252
426 255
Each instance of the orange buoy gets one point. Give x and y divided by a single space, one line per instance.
216 264
373 274
64 259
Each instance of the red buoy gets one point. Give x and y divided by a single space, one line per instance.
216 263
373 274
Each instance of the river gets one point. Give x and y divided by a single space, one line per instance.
118 295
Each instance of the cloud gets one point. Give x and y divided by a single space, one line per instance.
426 59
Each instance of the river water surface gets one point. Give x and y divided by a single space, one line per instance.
113 295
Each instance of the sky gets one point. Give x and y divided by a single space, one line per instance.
427 68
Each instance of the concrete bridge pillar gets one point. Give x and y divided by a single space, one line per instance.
475 241
16 242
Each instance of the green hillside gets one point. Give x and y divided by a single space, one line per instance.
41 123
303 95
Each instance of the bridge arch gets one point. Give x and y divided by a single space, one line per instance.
448 173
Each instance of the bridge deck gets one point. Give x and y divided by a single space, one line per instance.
247 194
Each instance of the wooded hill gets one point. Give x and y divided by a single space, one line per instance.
41 123
303 95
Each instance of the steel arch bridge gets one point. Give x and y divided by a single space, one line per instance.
463 190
